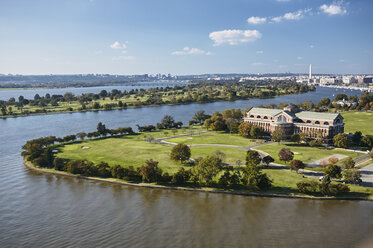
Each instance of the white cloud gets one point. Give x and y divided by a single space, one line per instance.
260 52
312 46
333 9
297 15
191 51
299 58
256 20
123 58
117 45
234 36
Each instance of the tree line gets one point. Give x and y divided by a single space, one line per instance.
200 92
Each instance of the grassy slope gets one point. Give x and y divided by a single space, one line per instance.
358 121
306 154
214 138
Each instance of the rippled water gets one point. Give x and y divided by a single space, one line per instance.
38 210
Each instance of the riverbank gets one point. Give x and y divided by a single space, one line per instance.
205 190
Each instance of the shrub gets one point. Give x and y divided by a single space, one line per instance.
308 186
352 175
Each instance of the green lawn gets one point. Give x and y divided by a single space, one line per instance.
134 151
358 121
215 138
304 153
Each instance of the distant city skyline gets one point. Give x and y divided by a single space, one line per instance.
185 37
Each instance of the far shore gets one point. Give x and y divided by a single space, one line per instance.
206 190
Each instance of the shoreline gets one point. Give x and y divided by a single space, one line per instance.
122 182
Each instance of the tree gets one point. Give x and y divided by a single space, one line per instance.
268 159
103 169
278 134
101 129
296 165
252 158
295 138
244 129
180 152
356 138
256 132
206 169
333 160
285 155
348 163
200 116
371 153
150 172
352 175
166 123
333 171
181 176
81 135
341 140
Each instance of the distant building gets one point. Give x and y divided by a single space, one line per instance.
293 120
345 102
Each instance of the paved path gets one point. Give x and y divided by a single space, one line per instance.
367 175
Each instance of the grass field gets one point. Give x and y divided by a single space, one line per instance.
215 138
304 153
133 151
358 121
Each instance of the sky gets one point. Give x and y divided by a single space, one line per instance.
185 37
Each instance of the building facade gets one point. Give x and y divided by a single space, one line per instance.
292 120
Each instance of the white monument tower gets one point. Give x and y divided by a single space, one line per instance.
310 75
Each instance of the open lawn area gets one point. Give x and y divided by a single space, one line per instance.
305 153
215 138
358 121
134 151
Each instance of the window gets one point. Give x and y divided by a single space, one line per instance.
308 121
326 123
281 118
258 116
251 116
317 122
265 117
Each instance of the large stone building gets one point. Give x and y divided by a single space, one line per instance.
292 120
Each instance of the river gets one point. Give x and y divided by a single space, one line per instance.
30 93
38 210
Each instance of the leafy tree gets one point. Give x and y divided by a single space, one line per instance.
180 152
268 159
206 169
200 116
117 171
295 138
59 164
308 186
356 138
371 153
167 122
278 134
333 160
340 97
256 132
244 129
341 140
81 135
333 171
216 122
150 172
352 175
230 177
367 141
296 165
181 176
252 158
285 155
103 169
101 129
348 163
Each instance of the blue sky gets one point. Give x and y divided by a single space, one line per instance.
185 37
